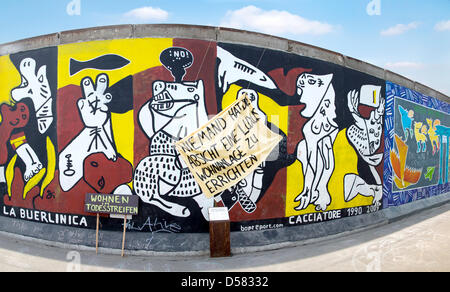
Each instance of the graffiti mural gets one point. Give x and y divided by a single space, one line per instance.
416 152
366 136
103 117
315 152
176 109
326 115
172 100
28 122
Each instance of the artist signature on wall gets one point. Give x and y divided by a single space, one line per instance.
154 225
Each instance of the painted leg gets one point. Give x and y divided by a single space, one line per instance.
29 157
354 185
257 182
326 166
304 198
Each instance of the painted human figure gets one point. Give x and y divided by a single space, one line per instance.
233 70
365 136
315 151
175 110
14 119
35 87
249 190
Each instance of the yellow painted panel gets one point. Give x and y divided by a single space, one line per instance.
142 54
9 79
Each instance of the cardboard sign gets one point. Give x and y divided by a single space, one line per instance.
228 148
111 204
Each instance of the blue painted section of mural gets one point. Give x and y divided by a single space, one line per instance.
416 146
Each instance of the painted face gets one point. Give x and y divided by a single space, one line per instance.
104 175
174 99
312 89
16 116
34 85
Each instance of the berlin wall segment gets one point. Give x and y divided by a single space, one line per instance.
103 117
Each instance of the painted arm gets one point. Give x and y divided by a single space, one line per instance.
96 137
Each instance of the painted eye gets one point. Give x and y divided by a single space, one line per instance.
312 81
101 183
191 89
24 82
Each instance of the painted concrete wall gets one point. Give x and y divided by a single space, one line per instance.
416 152
98 111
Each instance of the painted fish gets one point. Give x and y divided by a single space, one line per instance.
232 69
105 62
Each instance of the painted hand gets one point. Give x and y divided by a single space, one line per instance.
353 101
95 114
94 104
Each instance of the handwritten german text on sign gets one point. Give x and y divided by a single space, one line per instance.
228 148
111 204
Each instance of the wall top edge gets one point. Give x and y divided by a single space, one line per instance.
214 33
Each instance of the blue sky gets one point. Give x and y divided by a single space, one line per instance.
410 37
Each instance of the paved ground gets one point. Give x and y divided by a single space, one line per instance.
417 243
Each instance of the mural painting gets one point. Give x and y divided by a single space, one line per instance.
28 140
326 115
103 117
416 153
